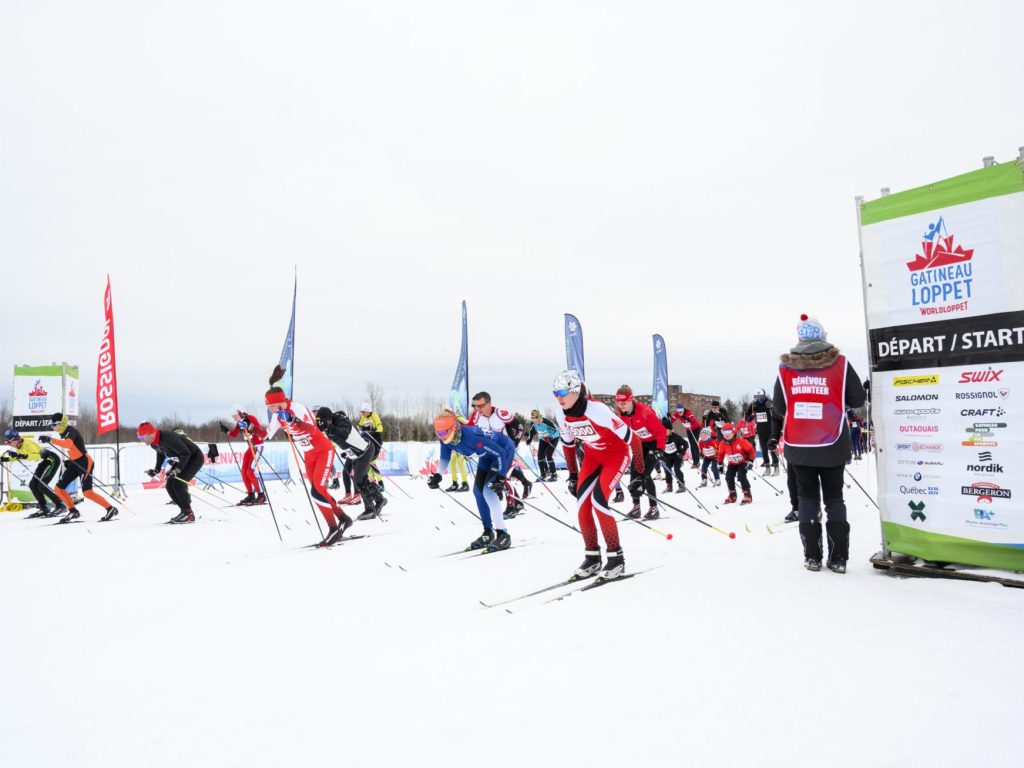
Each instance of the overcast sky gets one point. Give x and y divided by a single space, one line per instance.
674 168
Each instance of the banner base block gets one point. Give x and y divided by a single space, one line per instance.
915 566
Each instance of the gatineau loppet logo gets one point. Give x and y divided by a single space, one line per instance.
37 398
940 276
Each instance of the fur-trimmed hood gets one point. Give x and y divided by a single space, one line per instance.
810 360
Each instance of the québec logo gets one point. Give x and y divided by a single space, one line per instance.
37 397
940 276
982 377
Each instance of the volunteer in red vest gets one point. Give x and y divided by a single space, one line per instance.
816 385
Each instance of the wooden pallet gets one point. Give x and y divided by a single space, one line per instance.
912 566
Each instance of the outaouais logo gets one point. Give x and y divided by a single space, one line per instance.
940 276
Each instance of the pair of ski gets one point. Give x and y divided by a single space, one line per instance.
452 557
597 582
342 540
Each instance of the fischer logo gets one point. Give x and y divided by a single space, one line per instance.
940 276
986 492
916 398
915 381
919 428
983 412
981 377
37 398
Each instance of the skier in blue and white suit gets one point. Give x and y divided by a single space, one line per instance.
494 454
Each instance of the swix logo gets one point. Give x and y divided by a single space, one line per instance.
982 377
941 275
37 398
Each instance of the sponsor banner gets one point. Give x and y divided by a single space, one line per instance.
458 395
943 270
659 390
106 371
574 346
40 391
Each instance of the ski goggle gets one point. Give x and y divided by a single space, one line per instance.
561 392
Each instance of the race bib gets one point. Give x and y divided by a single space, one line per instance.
670 447
708 452
761 416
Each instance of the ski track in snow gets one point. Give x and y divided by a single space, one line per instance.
142 644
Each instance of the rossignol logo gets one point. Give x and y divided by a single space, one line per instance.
986 492
919 429
916 398
915 381
993 412
983 394
981 377
940 276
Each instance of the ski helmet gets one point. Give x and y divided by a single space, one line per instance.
144 430
565 382
760 395
447 428
11 434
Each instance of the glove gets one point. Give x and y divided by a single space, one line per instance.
243 424
434 481
152 472
285 416
749 466
223 428
172 472
45 438
23 456
5 458
497 485
773 444
573 481
636 485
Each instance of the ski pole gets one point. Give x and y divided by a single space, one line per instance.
534 506
103 486
263 485
200 498
537 475
731 535
378 516
452 498
29 469
651 528
309 498
697 499
861 487
760 477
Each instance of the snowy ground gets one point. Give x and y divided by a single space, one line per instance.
141 644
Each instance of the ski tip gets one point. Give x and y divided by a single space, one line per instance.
747 527
402 567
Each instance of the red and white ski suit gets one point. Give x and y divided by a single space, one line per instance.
255 434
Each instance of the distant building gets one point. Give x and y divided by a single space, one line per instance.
697 403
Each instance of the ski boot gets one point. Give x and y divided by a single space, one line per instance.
731 498
452 488
111 514
747 498
811 564
614 567
838 534
248 500
59 511
501 541
619 497
261 499
634 513
810 535
527 487
185 516
703 483
43 511
464 487
590 566
356 498
335 485
681 489
717 483
485 540
668 487
652 513
71 515
792 517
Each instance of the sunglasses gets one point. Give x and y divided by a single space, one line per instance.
479 405
443 433
561 392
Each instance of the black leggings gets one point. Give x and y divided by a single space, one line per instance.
674 465
74 469
40 482
546 457
346 475
737 470
767 456
649 466
816 483
694 451
177 488
712 462
361 467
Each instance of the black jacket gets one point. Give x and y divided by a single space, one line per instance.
765 429
837 454
177 448
338 427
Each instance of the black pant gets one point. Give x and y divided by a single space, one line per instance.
346 475
734 471
763 437
709 461
40 482
546 457
816 483
361 466
177 488
674 466
649 465
694 451
855 439
74 469
791 484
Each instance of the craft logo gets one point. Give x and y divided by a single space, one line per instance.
915 398
983 412
940 276
926 447
37 398
985 492
917 490
982 394
982 377
915 381
919 429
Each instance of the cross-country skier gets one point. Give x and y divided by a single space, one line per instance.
691 426
78 465
24 448
184 461
608 448
316 451
497 420
672 456
255 434
715 417
708 447
856 424
373 429
760 412
816 385
645 424
547 441
494 453
736 454
362 452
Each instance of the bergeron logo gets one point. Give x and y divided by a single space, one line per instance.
981 377
941 275
985 491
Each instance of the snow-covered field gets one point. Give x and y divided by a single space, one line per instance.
140 644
